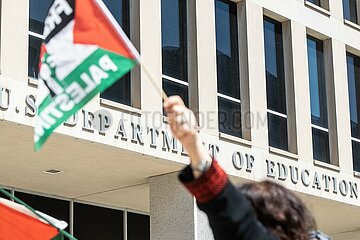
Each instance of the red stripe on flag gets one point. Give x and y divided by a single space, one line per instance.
42 52
93 27
15 225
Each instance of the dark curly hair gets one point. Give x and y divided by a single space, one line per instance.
280 210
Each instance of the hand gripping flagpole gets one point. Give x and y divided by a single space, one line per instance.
130 46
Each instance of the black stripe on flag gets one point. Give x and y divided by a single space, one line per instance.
60 14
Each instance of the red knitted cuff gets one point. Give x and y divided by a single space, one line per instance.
209 185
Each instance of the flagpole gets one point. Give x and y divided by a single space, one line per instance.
159 90
130 46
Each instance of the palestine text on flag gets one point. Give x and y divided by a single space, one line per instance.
84 52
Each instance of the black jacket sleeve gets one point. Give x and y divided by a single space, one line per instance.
230 213
232 217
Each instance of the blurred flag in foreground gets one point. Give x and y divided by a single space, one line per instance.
19 223
85 51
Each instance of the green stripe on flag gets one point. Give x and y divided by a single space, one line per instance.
60 236
95 74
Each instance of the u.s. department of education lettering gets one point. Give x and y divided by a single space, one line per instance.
153 137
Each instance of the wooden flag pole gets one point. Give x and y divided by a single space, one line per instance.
152 80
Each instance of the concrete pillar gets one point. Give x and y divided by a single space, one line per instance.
330 95
336 9
244 72
341 104
15 66
173 212
135 39
150 42
301 90
256 74
206 88
289 84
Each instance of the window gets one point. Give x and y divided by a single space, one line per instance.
350 8
90 222
3 195
227 60
38 10
318 3
93 223
138 226
275 84
174 48
318 100
120 91
353 70
56 208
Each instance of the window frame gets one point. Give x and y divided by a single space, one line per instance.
286 79
352 23
184 35
133 28
126 19
32 80
328 75
313 125
350 17
357 78
240 78
323 7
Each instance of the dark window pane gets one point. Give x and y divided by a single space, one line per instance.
229 117
38 12
227 55
120 91
278 136
174 38
34 56
350 10
316 2
320 141
94 223
3 195
274 61
356 155
173 88
317 82
353 70
56 208
120 10
138 226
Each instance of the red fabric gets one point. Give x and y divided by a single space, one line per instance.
209 185
15 225
93 27
42 52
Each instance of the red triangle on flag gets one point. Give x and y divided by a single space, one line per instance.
92 26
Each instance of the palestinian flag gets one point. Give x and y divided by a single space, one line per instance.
85 51
19 223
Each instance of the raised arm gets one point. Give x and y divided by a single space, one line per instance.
230 213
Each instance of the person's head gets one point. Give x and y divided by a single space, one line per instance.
279 210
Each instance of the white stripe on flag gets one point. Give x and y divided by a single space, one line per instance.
63 42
